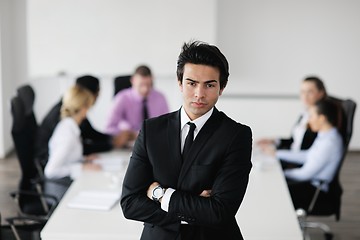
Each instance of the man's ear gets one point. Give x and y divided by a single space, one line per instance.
220 92
180 85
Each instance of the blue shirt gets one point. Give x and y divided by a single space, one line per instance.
320 161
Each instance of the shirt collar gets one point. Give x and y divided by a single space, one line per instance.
137 96
199 122
332 130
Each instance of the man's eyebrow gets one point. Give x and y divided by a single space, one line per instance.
211 81
191 80
206 82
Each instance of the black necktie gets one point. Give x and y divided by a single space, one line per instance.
189 140
145 110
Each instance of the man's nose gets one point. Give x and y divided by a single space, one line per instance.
199 92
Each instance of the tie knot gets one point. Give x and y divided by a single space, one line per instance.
192 126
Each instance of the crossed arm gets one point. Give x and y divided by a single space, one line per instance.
204 193
209 207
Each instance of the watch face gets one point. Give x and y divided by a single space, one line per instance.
158 192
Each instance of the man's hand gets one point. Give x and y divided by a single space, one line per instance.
89 166
123 138
205 193
151 188
91 157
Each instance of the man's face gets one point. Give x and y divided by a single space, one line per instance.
200 87
142 84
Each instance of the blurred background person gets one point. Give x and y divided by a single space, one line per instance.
65 147
321 161
93 140
302 137
133 105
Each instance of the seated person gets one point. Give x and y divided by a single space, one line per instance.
65 148
321 161
302 137
133 105
93 141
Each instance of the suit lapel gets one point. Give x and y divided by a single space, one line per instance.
205 133
174 141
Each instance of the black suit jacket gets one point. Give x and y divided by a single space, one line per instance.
307 141
218 160
93 141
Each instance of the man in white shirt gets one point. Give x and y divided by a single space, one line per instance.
189 169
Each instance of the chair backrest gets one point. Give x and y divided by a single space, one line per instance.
27 95
23 132
121 82
348 108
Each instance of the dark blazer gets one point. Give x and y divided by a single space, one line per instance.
93 141
218 160
308 139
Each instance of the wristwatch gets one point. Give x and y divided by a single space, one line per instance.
157 193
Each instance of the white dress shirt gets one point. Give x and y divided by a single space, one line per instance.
65 151
320 161
184 129
298 132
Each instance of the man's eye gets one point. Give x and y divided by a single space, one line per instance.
209 85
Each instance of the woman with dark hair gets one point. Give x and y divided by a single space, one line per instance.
320 162
302 137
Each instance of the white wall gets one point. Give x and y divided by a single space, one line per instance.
107 38
112 36
272 45
13 63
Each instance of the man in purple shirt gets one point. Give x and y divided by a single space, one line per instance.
131 106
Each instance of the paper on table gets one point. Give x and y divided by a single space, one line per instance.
110 163
95 200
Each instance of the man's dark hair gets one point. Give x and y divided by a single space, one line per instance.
89 82
143 71
318 83
197 52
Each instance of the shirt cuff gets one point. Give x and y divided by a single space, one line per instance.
76 170
166 199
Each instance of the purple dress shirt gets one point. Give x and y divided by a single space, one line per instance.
127 110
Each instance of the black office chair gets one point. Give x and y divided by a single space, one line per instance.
34 207
21 228
331 205
121 82
24 132
26 232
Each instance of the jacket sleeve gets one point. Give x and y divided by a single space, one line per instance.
228 188
134 201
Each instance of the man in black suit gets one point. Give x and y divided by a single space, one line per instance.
183 190
93 140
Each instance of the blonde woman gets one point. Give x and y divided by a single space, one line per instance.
65 148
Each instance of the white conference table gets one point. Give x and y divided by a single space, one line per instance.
266 211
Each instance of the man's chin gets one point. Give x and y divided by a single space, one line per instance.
199 111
